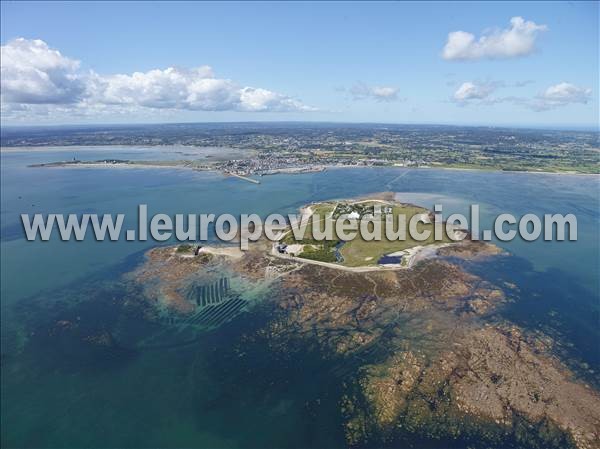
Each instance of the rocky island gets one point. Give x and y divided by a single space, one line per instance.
419 351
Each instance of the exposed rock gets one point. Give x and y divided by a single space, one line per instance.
507 375
472 250
165 272
438 370
493 374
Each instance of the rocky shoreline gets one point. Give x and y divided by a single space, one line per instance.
422 349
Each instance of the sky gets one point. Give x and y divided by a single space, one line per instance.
471 63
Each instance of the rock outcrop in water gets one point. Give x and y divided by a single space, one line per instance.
419 351
165 273
491 375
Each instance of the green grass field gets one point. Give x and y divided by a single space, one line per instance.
358 251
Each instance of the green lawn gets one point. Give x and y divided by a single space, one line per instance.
322 210
359 252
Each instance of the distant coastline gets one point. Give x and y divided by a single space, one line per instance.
190 165
267 148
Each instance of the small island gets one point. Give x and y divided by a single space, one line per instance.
420 349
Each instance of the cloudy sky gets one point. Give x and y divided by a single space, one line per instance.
527 64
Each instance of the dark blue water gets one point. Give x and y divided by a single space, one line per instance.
56 393
390 260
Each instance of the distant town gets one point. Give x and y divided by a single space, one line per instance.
299 147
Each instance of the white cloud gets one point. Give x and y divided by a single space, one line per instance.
566 93
517 40
34 75
255 99
558 95
474 92
171 88
561 94
361 91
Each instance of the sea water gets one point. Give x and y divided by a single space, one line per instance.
213 393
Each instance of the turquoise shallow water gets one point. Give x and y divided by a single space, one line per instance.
205 395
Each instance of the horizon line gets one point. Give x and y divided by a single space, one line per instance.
584 127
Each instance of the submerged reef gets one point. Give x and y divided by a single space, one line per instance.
421 353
